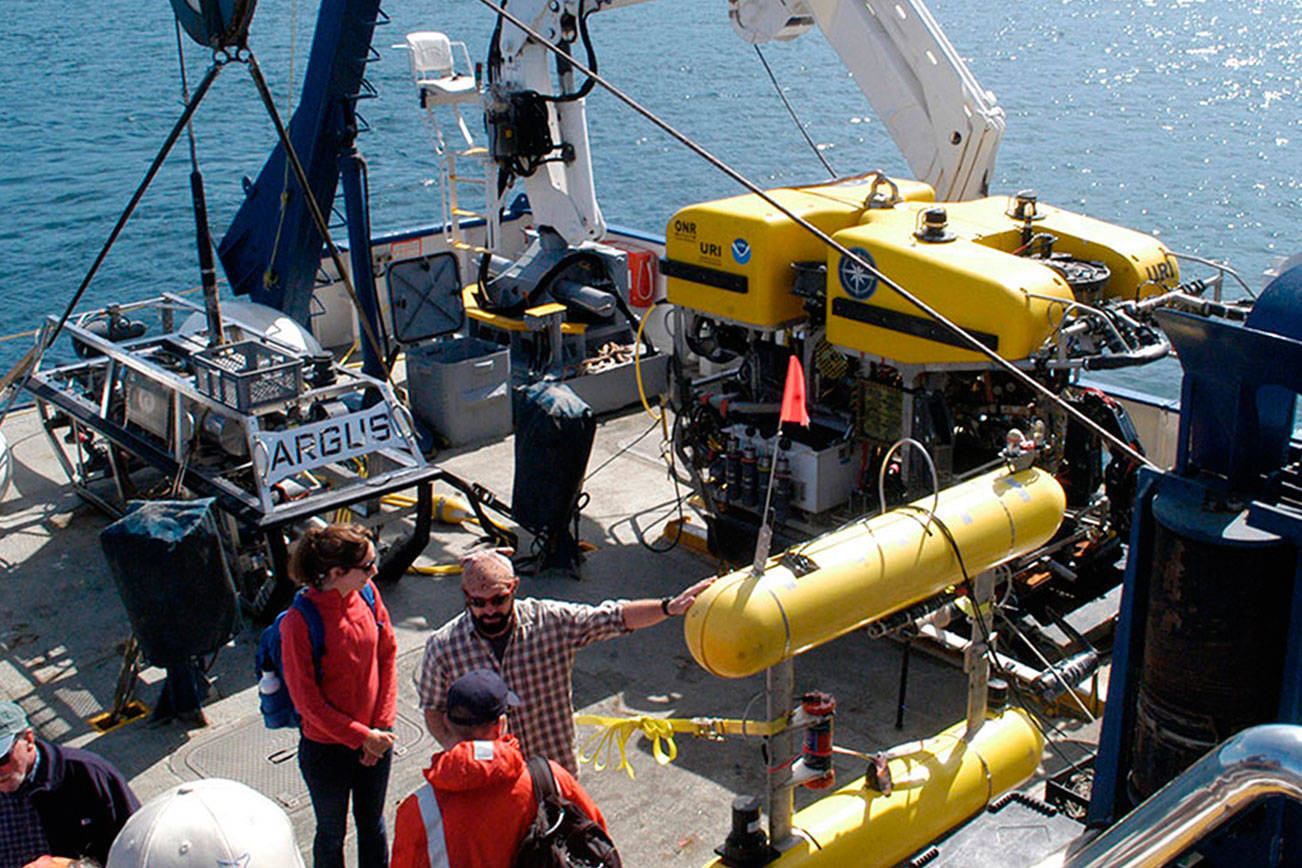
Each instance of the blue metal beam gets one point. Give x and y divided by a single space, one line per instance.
272 252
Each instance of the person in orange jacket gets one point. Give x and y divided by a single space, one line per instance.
480 782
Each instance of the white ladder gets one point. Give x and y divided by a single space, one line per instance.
439 84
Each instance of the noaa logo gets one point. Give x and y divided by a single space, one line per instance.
857 281
741 251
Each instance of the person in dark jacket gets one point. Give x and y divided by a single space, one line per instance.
54 800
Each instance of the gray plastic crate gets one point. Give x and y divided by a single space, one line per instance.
246 375
459 388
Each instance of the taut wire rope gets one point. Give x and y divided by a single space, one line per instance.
969 341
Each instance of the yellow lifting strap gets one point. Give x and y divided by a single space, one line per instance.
613 734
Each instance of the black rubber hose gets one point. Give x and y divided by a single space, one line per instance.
401 555
1150 353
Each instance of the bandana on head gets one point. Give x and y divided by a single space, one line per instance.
487 572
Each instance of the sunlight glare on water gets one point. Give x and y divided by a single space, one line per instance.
1181 118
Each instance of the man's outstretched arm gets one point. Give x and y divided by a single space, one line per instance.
647 613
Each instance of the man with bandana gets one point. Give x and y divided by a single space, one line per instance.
531 644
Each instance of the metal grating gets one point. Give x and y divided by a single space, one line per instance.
267 759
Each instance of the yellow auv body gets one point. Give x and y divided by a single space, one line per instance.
943 783
1140 264
731 258
742 624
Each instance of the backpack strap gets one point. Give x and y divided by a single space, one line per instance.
315 628
368 594
544 782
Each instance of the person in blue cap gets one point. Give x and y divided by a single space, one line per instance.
55 801
477 800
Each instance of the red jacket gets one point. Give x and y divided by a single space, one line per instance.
481 793
359 685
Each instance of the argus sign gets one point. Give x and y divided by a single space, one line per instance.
285 453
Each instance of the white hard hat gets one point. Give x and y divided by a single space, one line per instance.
207 824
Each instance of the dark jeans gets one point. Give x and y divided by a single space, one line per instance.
334 772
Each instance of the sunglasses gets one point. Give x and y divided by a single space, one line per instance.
366 567
487 602
9 755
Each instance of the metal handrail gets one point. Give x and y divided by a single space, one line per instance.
1258 762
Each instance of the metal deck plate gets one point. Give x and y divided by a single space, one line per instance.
267 759
1009 834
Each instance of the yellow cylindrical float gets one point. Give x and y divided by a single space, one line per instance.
938 786
742 623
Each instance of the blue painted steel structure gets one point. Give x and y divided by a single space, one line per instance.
272 250
1235 490
215 23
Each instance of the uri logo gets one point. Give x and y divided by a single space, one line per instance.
741 251
857 281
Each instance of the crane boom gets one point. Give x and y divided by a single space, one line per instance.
947 126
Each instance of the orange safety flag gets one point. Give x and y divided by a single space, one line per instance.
793 395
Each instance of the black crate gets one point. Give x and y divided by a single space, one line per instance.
1070 789
247 375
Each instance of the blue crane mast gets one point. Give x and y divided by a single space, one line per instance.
272 250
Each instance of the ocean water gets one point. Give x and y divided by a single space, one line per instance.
1178 117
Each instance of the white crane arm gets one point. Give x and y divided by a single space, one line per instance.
561 192
947 126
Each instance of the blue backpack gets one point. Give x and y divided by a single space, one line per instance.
274 700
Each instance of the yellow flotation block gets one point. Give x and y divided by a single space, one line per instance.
968 272
742 623
939 785
732 257
736 259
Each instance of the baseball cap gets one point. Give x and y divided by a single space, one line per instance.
479 696
207 823
13 723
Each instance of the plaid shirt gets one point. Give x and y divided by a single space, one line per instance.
22 837
536 665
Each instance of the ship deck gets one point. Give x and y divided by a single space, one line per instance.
62 629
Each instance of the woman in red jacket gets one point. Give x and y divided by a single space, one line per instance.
347 716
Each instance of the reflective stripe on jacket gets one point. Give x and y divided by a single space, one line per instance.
474 809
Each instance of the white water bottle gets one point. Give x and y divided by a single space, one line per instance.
268 683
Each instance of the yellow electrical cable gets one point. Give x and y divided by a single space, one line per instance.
445 508
435 570
637 365
398 500
613 734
